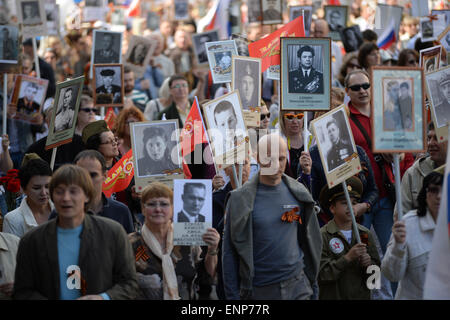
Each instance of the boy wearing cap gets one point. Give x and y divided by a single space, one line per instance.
343 263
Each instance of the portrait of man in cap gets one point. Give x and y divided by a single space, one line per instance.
305 78
246 80
104 47
106 91
66 109
341 147
442 110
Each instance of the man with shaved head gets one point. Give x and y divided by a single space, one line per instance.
271 244
321 30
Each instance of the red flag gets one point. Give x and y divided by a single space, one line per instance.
268 48
334 2
110 118
120 175
193 133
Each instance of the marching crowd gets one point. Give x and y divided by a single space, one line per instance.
282 234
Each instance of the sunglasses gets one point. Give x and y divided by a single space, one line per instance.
263 116
291 116
88 110
358 87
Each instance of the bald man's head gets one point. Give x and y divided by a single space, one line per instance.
321 28
272 155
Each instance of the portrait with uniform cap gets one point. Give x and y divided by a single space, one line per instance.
107 47
438 84
108 82
246 77
199 40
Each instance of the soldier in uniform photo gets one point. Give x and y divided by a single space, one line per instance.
271 13
30 12
392 117
305 79
247 86
107 54
405 103
108 93
341 148
201 48
442 110
427 29
26 104
194 195
334 20
65 113
9 46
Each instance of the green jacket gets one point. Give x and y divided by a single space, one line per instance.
338 278
239 210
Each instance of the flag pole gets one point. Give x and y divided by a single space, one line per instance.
349 203
398 191
52 161
5 101
305 131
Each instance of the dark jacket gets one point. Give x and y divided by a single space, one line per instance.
313 83
47 72
181 217
106 261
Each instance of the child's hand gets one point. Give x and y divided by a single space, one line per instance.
365 260
399 231
356 251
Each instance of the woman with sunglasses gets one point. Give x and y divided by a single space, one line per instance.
86 114
122 127
299 161
407 252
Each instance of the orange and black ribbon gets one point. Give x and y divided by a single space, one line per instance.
141 254
291 216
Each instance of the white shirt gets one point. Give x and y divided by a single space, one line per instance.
347 234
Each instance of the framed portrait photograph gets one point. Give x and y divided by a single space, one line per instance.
32 17
430 58
226 128
28 97
246 78
153 20
118 16
446 13
108 90
65 112
337 17
272 11
336 146
296 11
438 89
95 10
140 50
351 38
9 40
254 14
198 42
52 14
106 47
444 39
181 10
383 13
192 211
219 58
397 111
241 44
305 74
432 28
156 152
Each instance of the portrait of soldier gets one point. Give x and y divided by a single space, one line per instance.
442 109
106 52
335 20
341 148
30 12
254 11
406 105
247 83
9 45
193 197
430 64
271 10
108 92
223 60
306 79
201 48
427 29
27 104
65 112
392 117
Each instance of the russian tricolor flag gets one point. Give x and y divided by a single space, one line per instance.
134 9
388 37
217 18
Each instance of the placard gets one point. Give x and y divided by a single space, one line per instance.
32 17
430 58
337 17
28 97
219 58
140 50
108 88
272 11
9 40
198 41
432 28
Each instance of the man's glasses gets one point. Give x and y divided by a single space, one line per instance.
291 116
358 87
111 141
178 86
87 110
263 116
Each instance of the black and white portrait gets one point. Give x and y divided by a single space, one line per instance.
438 84
156 152
223 61
219 59
247 79
254 11
138 54
153 20
199 41
334 136
118 16
9 44
351 38
31 95
192 200
241 44
427 28
398 109
65 112
336 16
305 65
430 58
271 11
107 47
52 14
181 9
296 11
108 81
31 14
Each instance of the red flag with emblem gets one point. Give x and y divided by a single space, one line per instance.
120 175
268 48
193 133
110 118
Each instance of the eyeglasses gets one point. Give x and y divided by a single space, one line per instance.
434 190
291 116
358 87
87 110
178 86
263 116
154 204
111 141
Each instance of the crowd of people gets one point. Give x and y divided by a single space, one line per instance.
280 233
